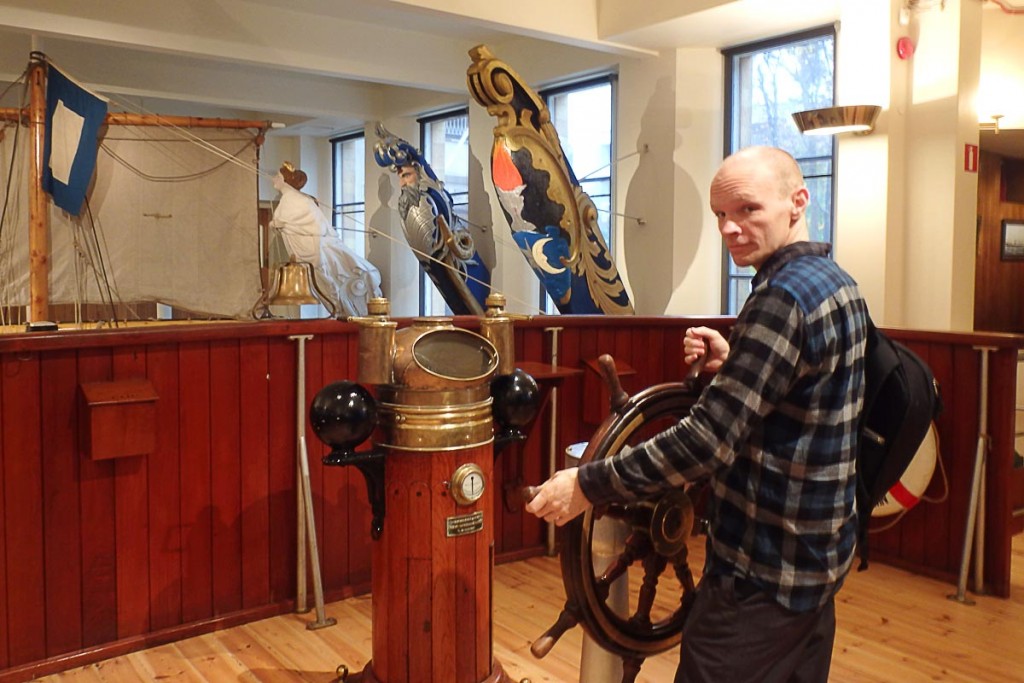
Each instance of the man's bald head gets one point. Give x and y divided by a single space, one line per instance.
760 200
778 163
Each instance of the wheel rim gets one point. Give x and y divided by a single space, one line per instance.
657 533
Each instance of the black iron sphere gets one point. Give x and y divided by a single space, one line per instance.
516 398
343 414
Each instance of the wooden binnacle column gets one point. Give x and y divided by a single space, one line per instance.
430 479
432 574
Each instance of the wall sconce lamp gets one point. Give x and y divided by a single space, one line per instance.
993 126
859 118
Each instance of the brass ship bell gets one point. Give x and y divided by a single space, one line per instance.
294 285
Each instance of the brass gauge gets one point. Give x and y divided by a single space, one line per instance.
467 484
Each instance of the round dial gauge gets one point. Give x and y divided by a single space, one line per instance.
467 484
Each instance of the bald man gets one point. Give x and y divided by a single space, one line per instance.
775 433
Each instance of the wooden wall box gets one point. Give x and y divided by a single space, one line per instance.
118 418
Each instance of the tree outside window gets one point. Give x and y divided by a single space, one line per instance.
349 166
766 82
582 115
446 148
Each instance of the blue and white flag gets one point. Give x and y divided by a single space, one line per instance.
73 119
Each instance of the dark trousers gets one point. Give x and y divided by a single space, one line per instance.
737 634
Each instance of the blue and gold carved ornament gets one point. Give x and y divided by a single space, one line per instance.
553 221
438 236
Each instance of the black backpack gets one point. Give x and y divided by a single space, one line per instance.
901 398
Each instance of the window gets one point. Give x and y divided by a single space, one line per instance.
349 215
446 148
582 115
765 83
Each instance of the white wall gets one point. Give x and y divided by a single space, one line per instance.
669 119
905 206
388 249
1001 88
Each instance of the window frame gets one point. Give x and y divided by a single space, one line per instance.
426 285
338 205
729 55
545 303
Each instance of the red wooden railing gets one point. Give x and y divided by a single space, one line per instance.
103 556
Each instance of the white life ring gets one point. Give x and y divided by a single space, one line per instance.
906 493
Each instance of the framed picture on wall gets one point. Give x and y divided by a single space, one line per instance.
1013 240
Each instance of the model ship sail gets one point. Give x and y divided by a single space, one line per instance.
553 221
165 218
438 236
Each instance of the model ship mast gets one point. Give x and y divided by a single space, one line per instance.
34 114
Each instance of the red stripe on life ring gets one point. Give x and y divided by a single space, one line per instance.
903 496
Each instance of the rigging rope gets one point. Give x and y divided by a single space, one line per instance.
92 252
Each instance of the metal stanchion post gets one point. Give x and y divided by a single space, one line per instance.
301 603
304 495
608 540
975 506
553 435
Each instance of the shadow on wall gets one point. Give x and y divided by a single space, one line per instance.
379 248
656 188
480 223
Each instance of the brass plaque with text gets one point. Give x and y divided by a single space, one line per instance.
462 525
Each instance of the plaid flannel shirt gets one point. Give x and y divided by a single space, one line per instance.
775 432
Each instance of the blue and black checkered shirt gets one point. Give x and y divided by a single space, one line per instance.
775 431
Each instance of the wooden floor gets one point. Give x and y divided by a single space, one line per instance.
893 626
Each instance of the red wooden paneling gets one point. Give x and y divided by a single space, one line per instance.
531 457
420 592
23 513
465 608
5 630
281 444
396 538
131 517
442 551
511 464
99 579
254 421
359 513
998 505
935 505
570 422
911 529
131 521
484 603
165 528
380 625
644 362
196 501
225 461
963 413
206 524
335 521
62 520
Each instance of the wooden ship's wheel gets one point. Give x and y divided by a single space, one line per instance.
655 531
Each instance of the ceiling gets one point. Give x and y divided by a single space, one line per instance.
327 66
322 67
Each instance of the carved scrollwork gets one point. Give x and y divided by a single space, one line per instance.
553 221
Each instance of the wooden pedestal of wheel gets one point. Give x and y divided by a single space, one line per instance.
432 574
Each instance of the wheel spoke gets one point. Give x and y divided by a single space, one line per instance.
653 565
658 530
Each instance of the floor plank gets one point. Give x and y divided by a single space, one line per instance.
892 626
